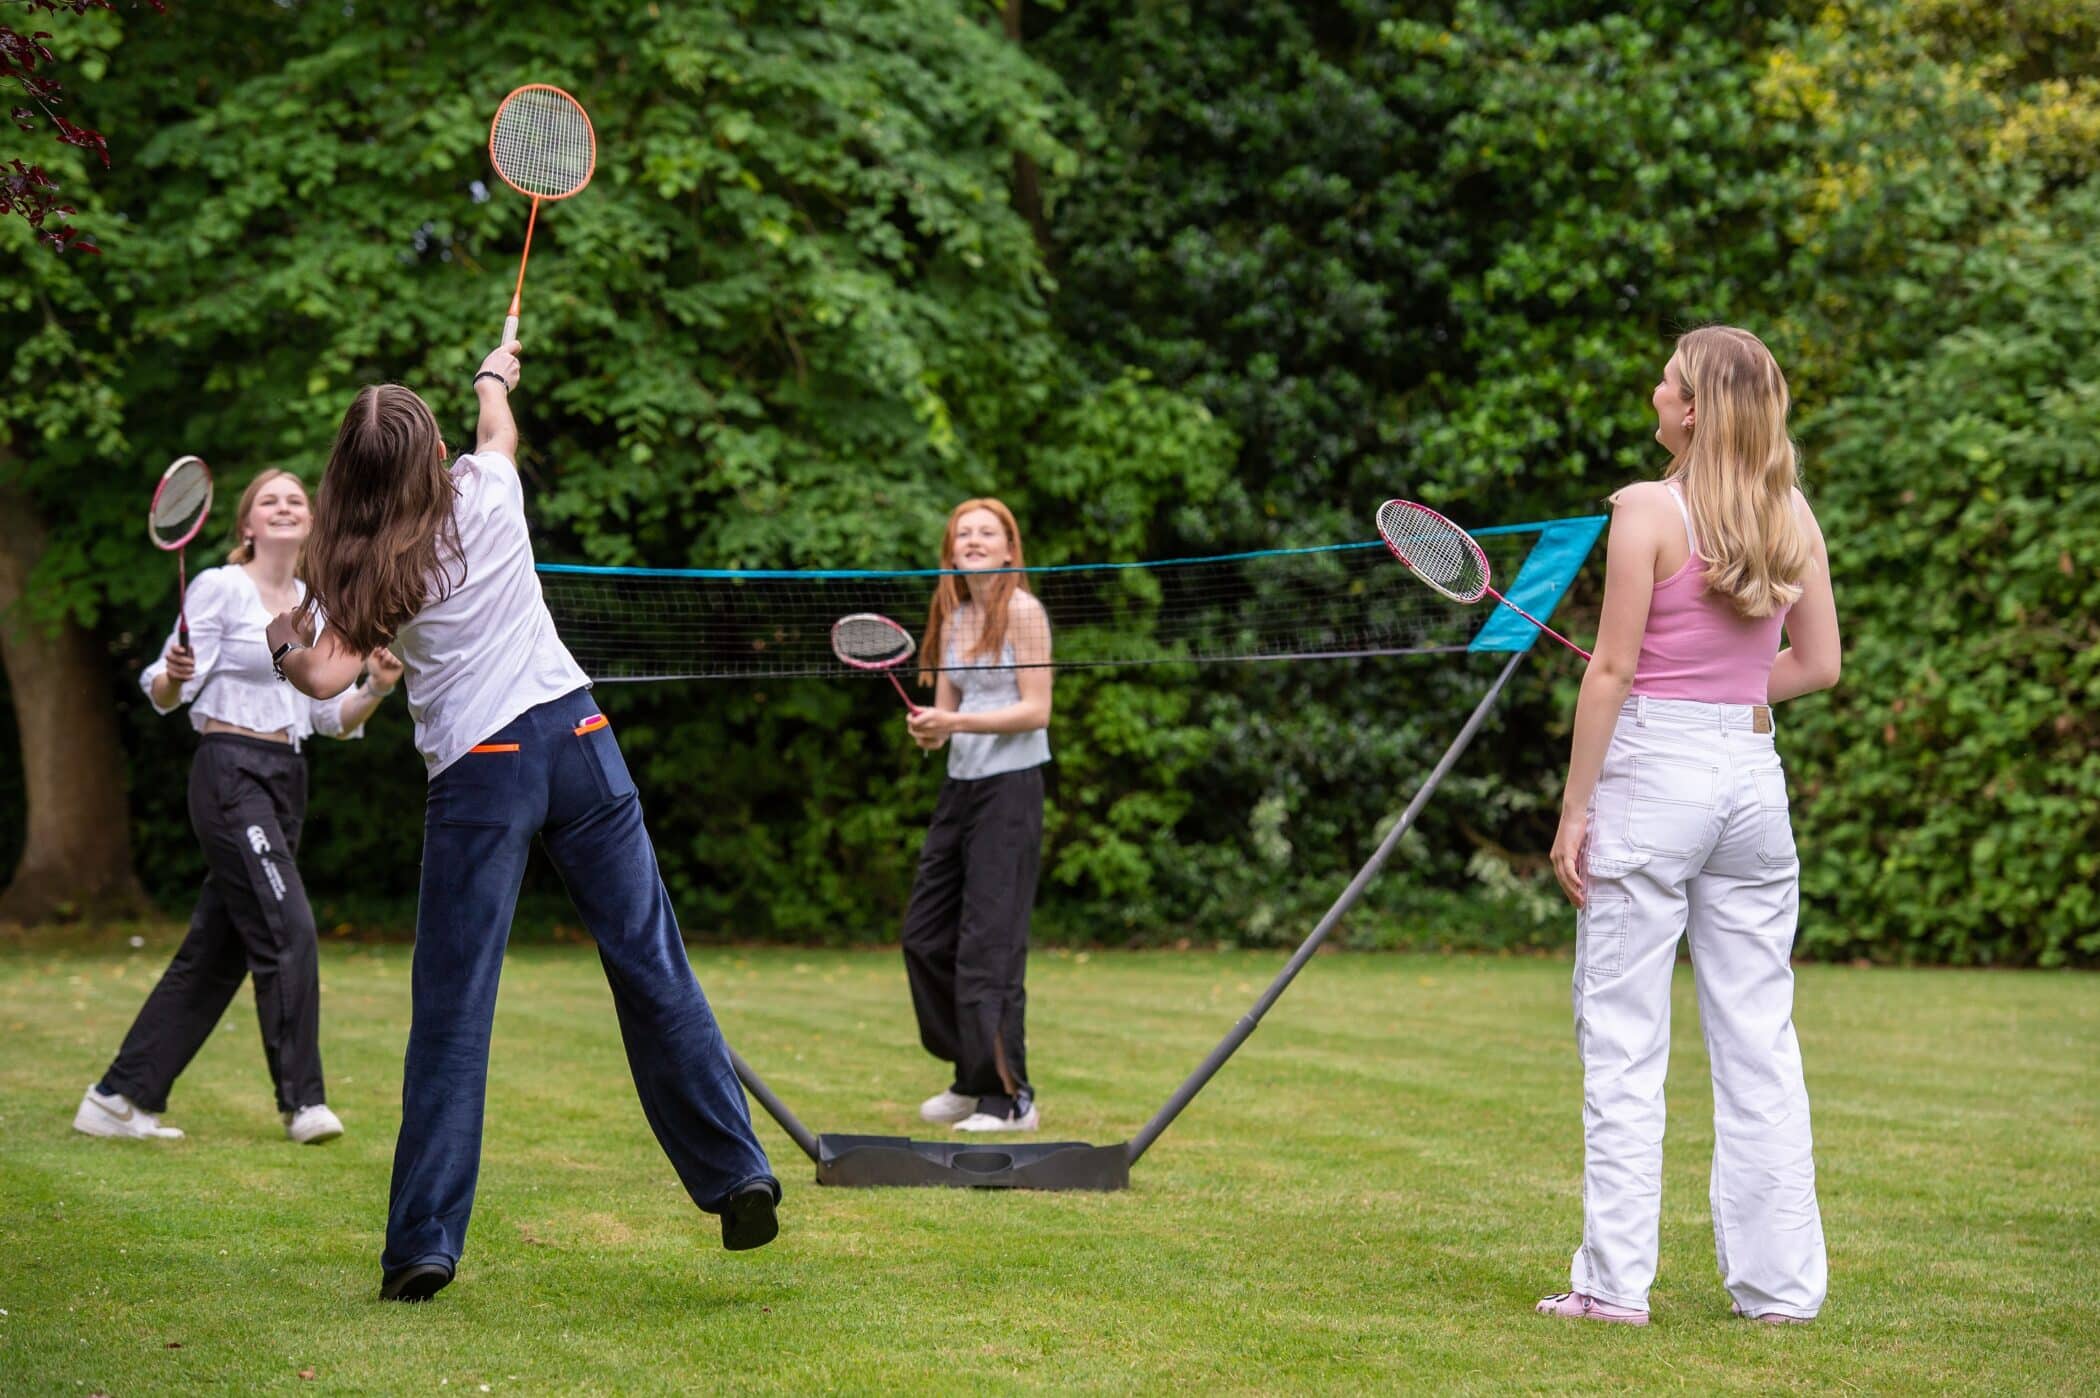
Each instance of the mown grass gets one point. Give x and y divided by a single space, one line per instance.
1367 1199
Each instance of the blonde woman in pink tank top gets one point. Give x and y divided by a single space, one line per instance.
1674 824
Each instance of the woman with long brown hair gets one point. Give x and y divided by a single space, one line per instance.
987 656
247 800
434 559
1675 823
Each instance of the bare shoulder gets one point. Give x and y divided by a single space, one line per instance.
1025 605
1643 510
1807 515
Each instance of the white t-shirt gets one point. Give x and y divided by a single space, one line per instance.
488 652
235 682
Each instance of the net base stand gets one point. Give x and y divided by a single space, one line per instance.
893 1161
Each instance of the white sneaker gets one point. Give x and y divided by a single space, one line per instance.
985 1121
947 1107
310 1126
114 1115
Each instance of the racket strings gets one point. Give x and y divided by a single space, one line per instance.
542 143
1439 552
868 640
183 499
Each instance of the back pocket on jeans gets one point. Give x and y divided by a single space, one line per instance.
601 753
480 788
1672 805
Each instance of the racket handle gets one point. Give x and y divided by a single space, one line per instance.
900 691
510 330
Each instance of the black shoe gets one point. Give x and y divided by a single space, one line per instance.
748 1219
418 1283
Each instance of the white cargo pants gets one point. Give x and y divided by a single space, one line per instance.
1689 830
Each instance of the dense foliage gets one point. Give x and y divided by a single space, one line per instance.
1288 259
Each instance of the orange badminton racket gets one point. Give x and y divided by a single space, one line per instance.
542 145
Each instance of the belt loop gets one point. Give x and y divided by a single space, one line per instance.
1640 710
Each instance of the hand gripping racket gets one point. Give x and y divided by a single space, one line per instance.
542 145
180 503
1447 558
870 641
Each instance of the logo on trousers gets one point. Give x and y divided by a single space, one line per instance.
260 843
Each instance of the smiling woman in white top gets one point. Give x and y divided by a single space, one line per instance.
247 802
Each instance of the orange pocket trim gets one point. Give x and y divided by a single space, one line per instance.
494 747
593 724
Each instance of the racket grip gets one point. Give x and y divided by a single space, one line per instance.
510 330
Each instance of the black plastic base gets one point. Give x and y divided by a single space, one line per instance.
864 1161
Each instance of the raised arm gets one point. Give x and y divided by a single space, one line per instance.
497 430
1814 656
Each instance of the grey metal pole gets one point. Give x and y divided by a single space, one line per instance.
775 1108
1184 1094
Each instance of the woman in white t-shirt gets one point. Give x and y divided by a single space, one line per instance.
247 803
436 562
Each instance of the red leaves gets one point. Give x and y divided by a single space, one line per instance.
28 191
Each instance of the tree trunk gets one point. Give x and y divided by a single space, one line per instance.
76 852
1028 182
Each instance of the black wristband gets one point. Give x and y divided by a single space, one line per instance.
492 374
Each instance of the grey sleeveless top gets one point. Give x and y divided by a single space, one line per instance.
986 685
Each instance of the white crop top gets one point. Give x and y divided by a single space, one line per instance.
235 682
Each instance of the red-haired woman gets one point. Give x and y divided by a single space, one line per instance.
987 655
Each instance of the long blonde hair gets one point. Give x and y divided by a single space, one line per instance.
243 550
1739 470
952 591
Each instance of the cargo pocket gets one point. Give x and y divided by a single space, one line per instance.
1671 806
1775 826
1600 942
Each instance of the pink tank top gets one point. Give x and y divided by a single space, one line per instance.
1696 647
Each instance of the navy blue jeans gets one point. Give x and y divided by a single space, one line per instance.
555 771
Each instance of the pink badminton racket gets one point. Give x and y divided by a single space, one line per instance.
180 503
1447 558
870 641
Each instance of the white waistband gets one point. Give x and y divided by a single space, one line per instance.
1690 713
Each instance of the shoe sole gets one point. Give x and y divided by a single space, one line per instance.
317 1139
417 1283
750 1220
104 1130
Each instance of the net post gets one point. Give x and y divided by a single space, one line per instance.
1206 1070
775 1108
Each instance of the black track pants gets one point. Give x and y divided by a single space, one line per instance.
247 803
966 931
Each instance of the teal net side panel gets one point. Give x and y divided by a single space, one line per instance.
1557 554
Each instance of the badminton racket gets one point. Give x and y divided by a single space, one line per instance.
1447 558
180 503
542 145
869 641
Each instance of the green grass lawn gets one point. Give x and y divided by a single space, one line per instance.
1368 1198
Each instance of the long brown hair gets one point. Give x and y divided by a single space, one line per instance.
243 550
385 543
1739 471
952 591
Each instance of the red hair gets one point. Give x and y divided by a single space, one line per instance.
952 591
